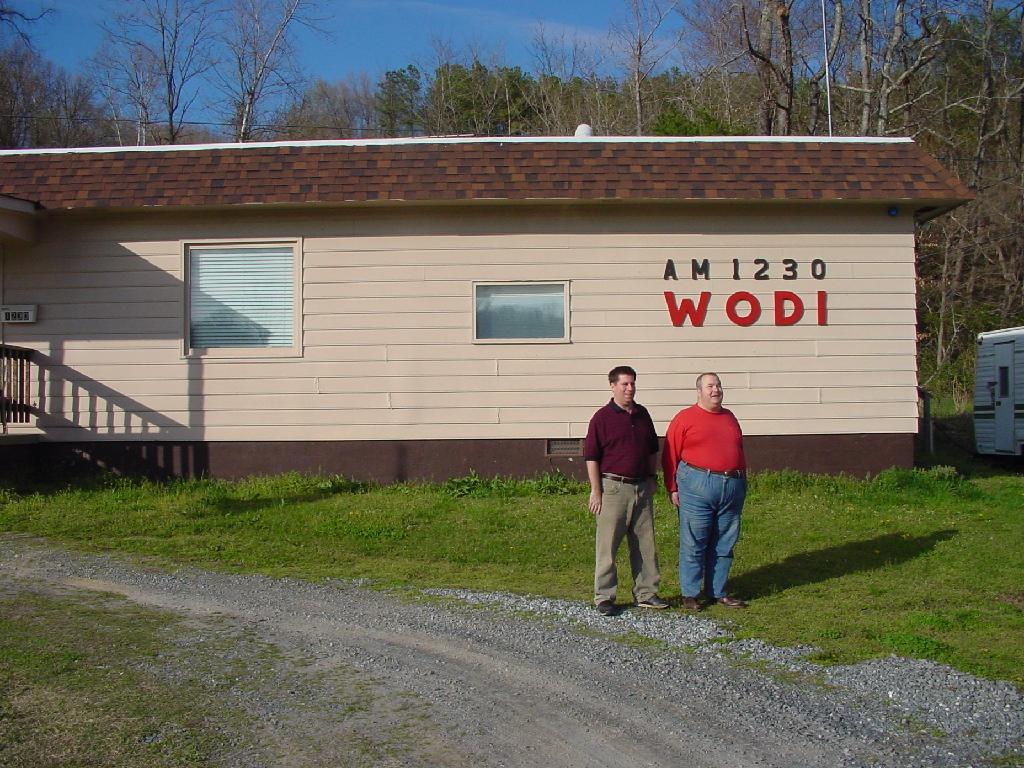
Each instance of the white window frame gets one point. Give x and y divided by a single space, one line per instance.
565 284
295 350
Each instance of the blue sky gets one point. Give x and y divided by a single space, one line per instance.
367 35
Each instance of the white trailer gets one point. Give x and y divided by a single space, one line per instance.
999 392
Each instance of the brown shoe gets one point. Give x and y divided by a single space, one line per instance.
731 602
690 604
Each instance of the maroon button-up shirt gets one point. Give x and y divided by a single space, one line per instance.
621 442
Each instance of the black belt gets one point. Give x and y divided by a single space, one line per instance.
623 478
726 473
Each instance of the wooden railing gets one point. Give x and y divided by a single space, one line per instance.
15 385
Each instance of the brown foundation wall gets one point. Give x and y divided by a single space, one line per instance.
429 460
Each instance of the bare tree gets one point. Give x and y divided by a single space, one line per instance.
773 58
339 110
129 86
41 105
260 64
981 74
152 59
568 89
17 22
637 38
555 65
72 117
913 41
866 50
461 96
714 52
439 110
896 41
22 92
819 67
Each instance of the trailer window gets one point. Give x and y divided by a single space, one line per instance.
1004 381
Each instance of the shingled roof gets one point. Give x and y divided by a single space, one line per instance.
511 169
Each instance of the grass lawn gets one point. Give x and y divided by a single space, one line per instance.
925 563
90 679
78 690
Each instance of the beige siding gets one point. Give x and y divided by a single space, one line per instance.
387 319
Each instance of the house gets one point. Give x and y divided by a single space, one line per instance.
421 308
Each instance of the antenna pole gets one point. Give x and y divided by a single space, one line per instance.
828 85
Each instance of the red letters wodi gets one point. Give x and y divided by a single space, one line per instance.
743 308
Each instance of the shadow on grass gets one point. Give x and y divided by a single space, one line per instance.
215 504
833 562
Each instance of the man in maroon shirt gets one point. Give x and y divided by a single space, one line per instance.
705 475
621 453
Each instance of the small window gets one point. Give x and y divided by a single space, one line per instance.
536 312
1004 381
242 297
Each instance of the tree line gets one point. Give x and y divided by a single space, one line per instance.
948 74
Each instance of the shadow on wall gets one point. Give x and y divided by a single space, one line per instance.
129 320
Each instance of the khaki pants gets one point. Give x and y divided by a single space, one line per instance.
626 510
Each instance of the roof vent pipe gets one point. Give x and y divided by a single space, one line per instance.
583 130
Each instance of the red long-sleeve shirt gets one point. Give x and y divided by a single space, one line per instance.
707 439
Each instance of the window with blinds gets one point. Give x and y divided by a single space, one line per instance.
241 296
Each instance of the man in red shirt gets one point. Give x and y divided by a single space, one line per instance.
621 452
705 474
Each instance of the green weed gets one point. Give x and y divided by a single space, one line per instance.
548 484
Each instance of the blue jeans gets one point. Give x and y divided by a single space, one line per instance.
709 527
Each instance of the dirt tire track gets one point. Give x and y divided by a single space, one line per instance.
507 690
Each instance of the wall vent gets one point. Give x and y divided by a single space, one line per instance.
562 447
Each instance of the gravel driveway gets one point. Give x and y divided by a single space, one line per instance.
501 680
